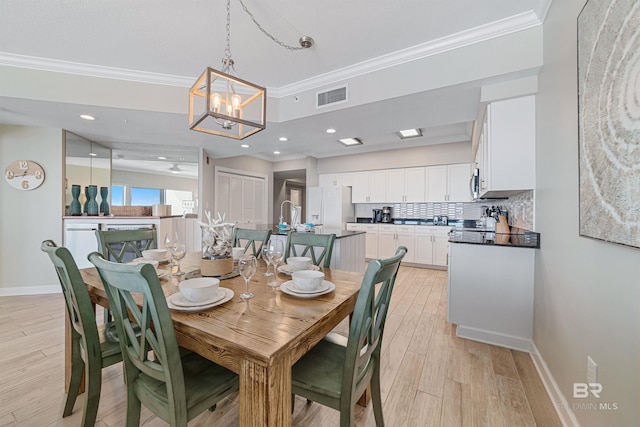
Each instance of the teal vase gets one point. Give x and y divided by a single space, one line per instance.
75 208
92 203
104 204
86 200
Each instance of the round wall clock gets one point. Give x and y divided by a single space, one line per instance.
24 175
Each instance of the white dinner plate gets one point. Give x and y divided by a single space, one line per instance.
228 294
290 289
181 301
288 270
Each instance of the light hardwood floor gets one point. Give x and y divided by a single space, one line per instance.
429 376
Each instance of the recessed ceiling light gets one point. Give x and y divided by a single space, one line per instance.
350 141
87 117
176 172
162 158
410 133
331 130
245 146
93 154
283 139
276 152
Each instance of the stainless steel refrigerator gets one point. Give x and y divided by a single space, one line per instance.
330 206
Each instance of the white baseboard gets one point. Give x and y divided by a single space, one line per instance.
30 290
566 415
489 337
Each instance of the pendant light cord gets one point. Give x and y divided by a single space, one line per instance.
265 32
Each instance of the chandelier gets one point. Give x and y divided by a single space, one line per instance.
221 103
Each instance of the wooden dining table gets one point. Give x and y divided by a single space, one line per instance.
260 338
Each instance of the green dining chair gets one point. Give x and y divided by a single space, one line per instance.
125 245
336 375
308 244
173 383
89 353
255 239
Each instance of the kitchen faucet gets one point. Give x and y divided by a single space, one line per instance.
295 211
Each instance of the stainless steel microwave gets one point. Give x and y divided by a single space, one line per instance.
475 184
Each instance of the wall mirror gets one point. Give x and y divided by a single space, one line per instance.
149 174
86 163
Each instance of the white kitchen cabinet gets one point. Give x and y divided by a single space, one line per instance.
491 294
448 183
432 245
508 153
405 185
371 244
458 182
436 184
392 236
369 187
335 179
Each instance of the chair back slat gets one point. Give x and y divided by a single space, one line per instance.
254 239
137 300
77 301
125 245
318 247
367 323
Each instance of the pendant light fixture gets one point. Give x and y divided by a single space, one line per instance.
221 103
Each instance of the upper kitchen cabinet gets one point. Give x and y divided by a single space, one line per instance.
335 179
448 183
506 156
405 185
369 187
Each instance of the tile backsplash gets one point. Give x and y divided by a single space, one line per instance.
520 209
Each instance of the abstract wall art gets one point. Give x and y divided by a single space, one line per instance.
609 120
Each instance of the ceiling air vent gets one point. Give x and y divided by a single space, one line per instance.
330 97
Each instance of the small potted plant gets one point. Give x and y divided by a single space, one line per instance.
217 257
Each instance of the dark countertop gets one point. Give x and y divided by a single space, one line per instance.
339 233
418 221
518 238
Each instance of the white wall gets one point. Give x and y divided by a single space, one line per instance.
29 217
587 299
148 180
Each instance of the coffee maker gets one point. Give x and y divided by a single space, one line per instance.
386 214
377 215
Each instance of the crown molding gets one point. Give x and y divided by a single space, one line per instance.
68 67
513 24
503 27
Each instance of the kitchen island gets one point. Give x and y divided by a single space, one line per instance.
348 250
491 277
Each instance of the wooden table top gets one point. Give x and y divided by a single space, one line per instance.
260 329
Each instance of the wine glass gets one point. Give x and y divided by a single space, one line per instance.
178 252
170 239
267 259
276 252
247 267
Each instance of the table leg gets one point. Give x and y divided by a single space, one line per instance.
265 394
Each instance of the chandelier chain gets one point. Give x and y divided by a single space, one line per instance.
265 32
227 51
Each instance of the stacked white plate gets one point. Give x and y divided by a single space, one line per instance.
178 301
286 269
290 288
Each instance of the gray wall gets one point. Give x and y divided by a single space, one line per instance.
29 217
586 291
440 154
